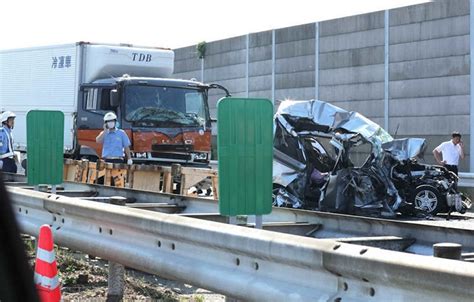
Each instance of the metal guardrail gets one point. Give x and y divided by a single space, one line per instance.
412 235
466 180
248 264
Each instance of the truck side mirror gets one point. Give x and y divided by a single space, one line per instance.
114 98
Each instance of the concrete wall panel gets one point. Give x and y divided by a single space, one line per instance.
360 39
351 57
294 80
188 52
189 75
295 64
187 65
429 11
260 39
430 106
260 53
294 49
294 33
226 45
295 94
260 68
348 75
444 47
456 26
225 59
260 83
352 92
265 94
441 86
225 72
428 125
351 24
234 86
437 67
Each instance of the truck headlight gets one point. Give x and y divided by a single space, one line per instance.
200 156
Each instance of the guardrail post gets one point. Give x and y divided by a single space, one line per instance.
116 279
258 221
447 250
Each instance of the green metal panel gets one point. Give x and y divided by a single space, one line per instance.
45 147
245 151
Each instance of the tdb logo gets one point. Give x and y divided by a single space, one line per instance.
141 57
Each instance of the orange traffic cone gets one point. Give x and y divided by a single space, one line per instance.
46 271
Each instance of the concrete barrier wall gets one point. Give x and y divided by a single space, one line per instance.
343 61
429 72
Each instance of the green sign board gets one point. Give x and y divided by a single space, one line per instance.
245 151
45 147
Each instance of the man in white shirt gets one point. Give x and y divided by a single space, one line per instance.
448 153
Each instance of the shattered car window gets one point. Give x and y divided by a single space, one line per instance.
359 154
330 159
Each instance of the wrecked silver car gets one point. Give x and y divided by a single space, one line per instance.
330 159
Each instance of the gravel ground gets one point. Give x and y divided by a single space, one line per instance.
84 278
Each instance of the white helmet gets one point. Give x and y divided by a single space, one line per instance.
6 115
110 116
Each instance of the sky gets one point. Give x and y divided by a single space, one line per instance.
172 24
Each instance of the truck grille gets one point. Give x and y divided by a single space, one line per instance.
171 156
172 148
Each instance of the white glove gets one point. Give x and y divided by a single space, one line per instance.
129 161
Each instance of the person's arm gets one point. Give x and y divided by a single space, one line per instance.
461 149
100 138
438 155
126 147
127 153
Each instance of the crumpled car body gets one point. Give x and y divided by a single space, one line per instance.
330 159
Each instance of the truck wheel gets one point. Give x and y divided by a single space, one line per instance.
427 198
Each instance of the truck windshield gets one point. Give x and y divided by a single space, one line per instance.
156 106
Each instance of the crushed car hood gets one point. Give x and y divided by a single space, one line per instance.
330 118
405 148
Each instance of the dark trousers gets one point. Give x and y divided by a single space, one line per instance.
114 160
452 168
9 165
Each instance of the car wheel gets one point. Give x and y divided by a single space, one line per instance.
427 198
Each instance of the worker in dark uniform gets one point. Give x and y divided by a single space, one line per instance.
7 156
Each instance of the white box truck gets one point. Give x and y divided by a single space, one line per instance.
167 119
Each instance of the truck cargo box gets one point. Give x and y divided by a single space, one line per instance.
49 78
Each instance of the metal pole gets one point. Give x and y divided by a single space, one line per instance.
471 99
273 66
386 65
233 220
116 280
202 70
258 221
316 60
247 57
